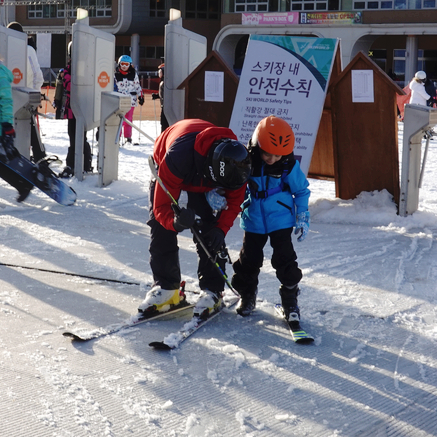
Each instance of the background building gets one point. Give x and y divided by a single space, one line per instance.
400 35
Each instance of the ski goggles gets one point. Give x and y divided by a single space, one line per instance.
124 64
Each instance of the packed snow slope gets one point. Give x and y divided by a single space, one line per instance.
368 296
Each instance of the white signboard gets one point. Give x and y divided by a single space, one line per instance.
362 86
214 85
286 77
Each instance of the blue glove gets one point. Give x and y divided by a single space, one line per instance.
302 225
216 200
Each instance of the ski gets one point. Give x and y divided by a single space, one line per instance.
175 339
134 320
296 331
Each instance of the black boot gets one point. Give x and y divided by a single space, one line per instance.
289 302
23 193
247 304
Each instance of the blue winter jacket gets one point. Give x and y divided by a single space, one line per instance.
276 211
6 102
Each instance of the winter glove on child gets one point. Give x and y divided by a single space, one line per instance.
302 225
216 200
9 149
141 100
184 218
215 239
155 96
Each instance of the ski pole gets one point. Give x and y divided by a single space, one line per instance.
135 127
141 116
156 121
192 229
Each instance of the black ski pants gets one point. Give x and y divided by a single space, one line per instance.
13 179
164 250
38 149
87 157
250 261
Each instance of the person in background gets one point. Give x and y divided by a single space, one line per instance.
277 202
7 135
430 89
35 80
68 114
209 164
160 96
126 81
419 96
58 100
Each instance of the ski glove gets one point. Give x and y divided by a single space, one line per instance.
216 200
155 96
302 225
8 130
141 100
215 239
184 218
9 151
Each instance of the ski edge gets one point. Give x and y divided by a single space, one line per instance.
102 332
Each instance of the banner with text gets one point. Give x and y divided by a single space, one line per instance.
288 77
263 18
331 18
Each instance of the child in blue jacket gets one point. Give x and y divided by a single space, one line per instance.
277 201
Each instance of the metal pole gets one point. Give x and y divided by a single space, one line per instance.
135 127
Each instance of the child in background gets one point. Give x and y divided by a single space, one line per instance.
277 202
59 101
126 82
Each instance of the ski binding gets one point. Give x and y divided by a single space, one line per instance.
297 333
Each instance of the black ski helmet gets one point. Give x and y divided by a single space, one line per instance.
228 164
15 25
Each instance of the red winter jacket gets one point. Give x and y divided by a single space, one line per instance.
180 153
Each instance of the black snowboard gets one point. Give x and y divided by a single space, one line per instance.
22 173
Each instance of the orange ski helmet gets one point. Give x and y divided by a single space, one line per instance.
274 135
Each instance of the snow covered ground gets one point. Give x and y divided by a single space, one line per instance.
368 296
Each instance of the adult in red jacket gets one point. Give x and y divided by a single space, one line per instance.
209 164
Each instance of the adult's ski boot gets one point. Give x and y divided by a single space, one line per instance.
208 303
159 300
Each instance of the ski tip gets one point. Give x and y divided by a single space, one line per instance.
160 345
73 337
304 340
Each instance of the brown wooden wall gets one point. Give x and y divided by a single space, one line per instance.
365 135
218 113
322 160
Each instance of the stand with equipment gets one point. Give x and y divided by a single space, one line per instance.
418 123
26 103
114 106
13 49
92 67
